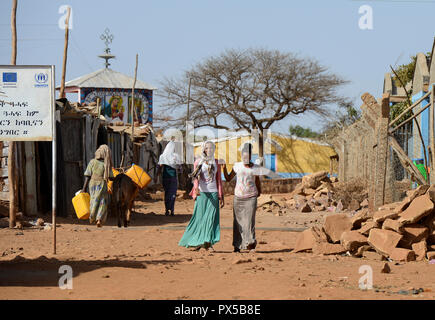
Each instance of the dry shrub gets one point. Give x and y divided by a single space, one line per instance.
352 189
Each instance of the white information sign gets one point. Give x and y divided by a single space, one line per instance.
26 103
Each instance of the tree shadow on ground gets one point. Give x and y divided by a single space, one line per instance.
44 272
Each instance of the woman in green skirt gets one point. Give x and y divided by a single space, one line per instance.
203 230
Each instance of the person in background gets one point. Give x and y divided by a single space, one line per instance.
247 189
203 230
169 163
97 174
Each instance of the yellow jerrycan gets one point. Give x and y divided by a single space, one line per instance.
110 183
139 176
82 203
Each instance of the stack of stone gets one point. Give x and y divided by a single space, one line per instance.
401 231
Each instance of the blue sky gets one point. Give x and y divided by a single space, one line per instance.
171 36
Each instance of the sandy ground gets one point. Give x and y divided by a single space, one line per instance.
145 262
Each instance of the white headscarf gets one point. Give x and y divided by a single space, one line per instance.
207 159
170 157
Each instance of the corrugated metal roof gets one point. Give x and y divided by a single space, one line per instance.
107 78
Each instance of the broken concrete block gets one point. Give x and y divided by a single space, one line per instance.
401 254
390 224
335 225
381 216
328 248
360 217
413 233
384 241
367 226
308 238
418 209
352 240
420 249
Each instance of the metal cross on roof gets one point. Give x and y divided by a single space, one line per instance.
107 37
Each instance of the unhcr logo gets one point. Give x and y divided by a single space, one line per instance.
41 80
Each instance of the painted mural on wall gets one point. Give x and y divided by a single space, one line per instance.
116 104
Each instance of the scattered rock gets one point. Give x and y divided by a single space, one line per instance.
390 224
354 205
361 250
386 268
401 254
419 208
352 240
360 217
382 215
308 239
430 255
240 260
384 241
420 249
365 203
335 225
328 248
367 226
413 233
306 208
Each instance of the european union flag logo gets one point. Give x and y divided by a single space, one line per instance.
9 77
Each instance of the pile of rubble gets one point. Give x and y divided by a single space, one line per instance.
401 231
318 192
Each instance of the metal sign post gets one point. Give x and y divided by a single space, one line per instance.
28 111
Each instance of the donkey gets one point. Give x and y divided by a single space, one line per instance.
124 192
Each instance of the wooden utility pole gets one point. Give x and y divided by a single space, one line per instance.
132 101
187 119
11 154
65 51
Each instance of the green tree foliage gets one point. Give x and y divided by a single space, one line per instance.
406 74
303 132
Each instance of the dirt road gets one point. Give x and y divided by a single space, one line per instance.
145 262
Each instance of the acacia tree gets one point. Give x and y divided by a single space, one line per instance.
251 89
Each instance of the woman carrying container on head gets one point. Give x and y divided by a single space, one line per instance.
169 162
97 174
203 230
247 189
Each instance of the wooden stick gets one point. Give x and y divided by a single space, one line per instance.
409 119
132 100
406 161
65 51
11 153
416 121
409 108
